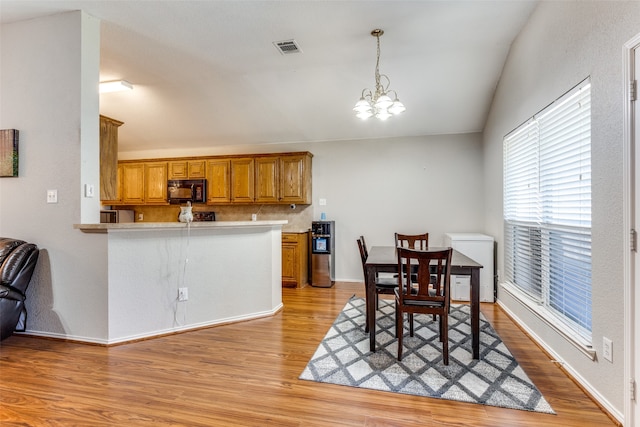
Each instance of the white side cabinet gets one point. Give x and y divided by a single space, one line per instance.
478 247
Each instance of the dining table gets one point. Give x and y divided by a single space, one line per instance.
384 259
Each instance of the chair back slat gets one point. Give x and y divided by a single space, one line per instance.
413 241
433 275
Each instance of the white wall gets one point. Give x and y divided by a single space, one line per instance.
409 185
563 43
48 85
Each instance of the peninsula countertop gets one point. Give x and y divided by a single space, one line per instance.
105 228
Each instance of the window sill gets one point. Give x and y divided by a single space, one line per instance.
548 318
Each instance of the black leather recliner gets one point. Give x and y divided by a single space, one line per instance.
17 262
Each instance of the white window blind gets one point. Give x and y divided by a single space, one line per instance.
547 209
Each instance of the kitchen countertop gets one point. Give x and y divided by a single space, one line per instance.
105 228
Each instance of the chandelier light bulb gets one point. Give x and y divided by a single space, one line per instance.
383 102
364 115
397 107
362 106
383 114
378 103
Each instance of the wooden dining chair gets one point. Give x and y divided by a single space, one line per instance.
428 295
413 241
384 285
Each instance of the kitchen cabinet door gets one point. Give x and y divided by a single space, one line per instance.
218 181
289 264
242 180
117 199
295 265
108 159
178 170
196 169
155 180
133 183
295 179
267 179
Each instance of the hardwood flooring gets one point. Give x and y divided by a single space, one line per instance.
246 374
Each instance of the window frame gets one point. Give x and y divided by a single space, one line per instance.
546 213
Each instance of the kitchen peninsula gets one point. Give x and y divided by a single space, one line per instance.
231 271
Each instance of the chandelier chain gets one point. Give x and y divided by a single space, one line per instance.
377 76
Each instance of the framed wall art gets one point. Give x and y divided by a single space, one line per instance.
8 152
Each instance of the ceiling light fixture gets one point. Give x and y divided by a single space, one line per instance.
378 103
115 86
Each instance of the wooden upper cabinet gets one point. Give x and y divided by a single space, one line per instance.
218 181
188 169
178 170
118 196
295 178
242 180
267 179
261 178
109 158
197 169
155 183
133 183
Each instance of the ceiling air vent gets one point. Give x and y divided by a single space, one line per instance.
287 47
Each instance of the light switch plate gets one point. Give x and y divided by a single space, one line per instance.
88 190
607 349
52 196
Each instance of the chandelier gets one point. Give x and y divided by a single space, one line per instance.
378 103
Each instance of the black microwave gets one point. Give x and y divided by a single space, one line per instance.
187 190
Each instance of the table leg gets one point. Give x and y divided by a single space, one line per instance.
475 312
371 305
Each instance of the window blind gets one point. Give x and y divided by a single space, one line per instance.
547 208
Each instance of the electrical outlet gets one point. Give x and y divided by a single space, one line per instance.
607 349
183 294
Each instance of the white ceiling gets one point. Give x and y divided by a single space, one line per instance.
206 73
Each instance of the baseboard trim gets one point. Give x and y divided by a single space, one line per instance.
152 335
615 415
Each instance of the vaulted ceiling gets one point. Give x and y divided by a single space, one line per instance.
207 73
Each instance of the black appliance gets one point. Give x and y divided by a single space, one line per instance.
323 254
200 216
187 190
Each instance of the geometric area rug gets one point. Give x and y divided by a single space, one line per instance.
496 379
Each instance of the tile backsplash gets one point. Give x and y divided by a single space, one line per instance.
299 218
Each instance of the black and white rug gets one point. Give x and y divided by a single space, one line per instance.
343 357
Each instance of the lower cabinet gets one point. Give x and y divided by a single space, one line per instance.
295 259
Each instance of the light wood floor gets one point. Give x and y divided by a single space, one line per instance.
246 374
